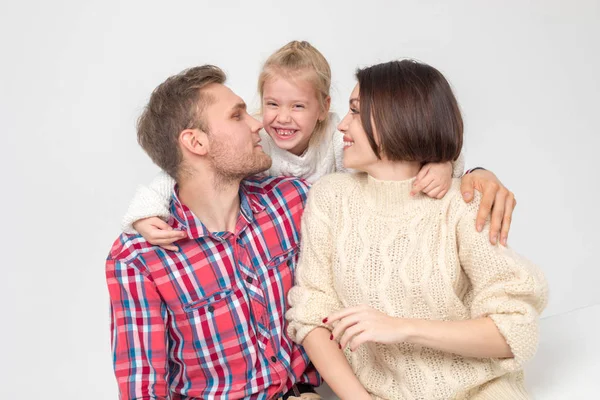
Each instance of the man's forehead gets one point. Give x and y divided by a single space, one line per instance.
223 95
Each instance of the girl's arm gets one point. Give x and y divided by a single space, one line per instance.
149 201
148 206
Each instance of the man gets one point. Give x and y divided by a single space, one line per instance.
207 321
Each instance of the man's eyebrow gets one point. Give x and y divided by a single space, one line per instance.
239 106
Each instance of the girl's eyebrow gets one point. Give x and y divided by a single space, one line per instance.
298 100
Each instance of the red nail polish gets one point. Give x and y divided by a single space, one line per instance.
324 320
331 337
340 346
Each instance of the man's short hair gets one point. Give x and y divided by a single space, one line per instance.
175 105
414 111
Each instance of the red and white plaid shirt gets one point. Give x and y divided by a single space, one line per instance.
207 321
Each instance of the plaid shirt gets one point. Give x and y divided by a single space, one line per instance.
207 321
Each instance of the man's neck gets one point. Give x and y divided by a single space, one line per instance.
215 202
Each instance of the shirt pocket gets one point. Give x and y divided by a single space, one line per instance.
217 321
287 258
208 302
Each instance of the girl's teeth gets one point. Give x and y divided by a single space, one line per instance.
348 144
285 132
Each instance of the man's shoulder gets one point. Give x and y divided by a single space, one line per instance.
278 186
128 248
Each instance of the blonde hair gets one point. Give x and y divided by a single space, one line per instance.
300 59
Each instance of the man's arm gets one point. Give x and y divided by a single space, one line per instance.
138 332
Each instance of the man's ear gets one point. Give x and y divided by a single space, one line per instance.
195 141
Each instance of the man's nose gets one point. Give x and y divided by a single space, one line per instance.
255 124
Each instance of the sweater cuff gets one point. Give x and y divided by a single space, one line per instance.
146 204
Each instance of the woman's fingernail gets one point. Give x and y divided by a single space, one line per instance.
331 337
324 320
340 346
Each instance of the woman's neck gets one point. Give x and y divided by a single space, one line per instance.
385 170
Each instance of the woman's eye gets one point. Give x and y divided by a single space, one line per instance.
353 110
237 116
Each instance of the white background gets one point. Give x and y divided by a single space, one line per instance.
74 76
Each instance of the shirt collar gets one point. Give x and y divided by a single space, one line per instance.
250 204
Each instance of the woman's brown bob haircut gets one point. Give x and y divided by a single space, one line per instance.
413 111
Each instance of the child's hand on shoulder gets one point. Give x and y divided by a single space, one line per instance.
158 233
434 179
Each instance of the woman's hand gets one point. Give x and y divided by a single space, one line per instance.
360 324
434 179
497 200
158 233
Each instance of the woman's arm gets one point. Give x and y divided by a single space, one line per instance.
509 293
478 338
331 363
314 295
507 289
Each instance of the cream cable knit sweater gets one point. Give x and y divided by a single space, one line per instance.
366 241
318 160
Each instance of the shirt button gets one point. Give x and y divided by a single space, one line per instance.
249 279
210 309
273 358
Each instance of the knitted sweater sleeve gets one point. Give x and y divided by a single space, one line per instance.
149 201
506 287
313 297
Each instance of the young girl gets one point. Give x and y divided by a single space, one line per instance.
299 134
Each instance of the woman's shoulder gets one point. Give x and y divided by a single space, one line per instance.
457 203
337 184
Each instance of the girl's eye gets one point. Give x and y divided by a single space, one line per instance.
271 104
299 106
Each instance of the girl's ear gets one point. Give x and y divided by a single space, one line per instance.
325 110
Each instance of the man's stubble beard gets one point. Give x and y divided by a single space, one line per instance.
230 167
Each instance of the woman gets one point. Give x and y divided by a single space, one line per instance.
421 304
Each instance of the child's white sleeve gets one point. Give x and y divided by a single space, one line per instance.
458 166
149 201
338 151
